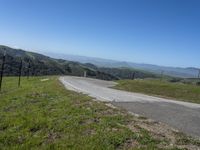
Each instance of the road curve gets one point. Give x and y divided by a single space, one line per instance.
183 116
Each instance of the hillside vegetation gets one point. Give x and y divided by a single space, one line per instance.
44 65
178 91
128 73
41 114
180 72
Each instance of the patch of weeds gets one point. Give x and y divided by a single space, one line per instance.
142 117
145 138
183 139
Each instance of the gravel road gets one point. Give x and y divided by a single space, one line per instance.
181 115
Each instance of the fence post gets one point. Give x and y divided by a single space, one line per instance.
85 74
199 74
28 73
133 76
2 69
161 78
20 72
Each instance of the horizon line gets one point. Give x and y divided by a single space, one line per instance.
93 57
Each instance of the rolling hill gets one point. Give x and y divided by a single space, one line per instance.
45 65
189 72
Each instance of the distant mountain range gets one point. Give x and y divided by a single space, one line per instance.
62 64
189 72
46 65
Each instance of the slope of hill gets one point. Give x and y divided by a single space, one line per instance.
123 72
171 71
128 73
43 65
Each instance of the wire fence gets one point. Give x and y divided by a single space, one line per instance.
19 67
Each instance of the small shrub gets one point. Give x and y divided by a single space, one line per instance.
198 83
175 80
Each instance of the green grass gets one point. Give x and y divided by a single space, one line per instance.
178 91
44 115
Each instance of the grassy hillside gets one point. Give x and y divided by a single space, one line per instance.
128 73
178 91
43 115
43 65
189 72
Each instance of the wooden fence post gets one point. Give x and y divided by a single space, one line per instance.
28 73
20 72
2 69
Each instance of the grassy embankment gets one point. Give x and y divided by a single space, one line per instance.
44 115
178 91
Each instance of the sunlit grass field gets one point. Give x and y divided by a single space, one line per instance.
177 91
42 114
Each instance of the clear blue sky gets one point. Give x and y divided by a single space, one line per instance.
162 32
